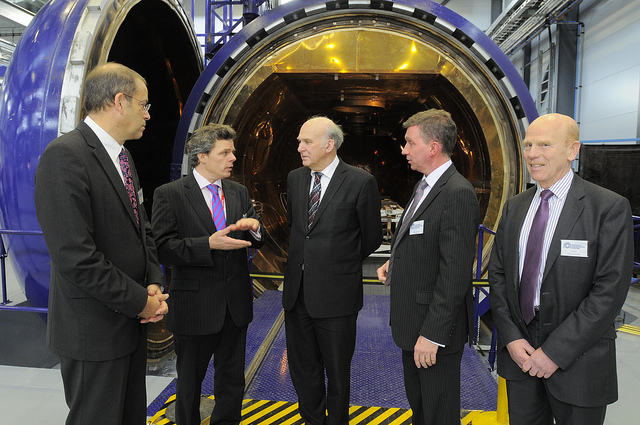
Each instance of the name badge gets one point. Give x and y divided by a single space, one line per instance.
572 248
140 197
417 228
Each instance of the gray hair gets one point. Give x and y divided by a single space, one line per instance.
105 81
332 130
204 139
435 124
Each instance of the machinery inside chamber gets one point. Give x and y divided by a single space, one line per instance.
371 110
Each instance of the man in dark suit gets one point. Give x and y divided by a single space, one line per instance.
556 289
105 276
430 271
203 224
333 213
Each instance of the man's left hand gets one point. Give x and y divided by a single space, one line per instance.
246 224
424 352
154 290
540 365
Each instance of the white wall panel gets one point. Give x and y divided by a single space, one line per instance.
609 69
610 44
615 127
478 12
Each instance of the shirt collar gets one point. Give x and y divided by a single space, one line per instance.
559 188
433 177
202 182
329 169
112 147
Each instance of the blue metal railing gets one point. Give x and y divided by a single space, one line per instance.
3 271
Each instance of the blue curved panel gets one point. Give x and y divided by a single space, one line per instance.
29 115
288 12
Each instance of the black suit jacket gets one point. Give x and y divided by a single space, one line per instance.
347 228
580 297
432 271
204 282
101 260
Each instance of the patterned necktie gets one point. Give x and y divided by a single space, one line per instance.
128 182
217 209
314 198
406 220
414 205
533 257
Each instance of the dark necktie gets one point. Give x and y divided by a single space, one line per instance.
217 209
406 221
533 257
314 198
128 182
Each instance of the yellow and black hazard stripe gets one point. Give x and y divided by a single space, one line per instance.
265 412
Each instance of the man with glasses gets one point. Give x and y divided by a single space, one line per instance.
105 278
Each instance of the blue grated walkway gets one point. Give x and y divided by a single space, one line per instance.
376 370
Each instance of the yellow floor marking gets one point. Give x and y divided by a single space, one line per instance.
363 415
263 412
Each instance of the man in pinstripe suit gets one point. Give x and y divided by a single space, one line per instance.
210 288
430 271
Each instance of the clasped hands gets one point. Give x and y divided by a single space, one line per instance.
156 306
531 360
220 240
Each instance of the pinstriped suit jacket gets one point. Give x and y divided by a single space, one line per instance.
204 282
432 271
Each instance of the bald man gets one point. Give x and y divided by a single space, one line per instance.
559 273
333 213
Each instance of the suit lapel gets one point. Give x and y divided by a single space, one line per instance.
334 184
107 165
433 193
303 194
194 194
514 236
231 203
571 211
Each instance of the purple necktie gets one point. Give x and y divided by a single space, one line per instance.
314 198
533 257
217 209
128 182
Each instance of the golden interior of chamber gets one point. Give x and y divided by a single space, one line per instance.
369 81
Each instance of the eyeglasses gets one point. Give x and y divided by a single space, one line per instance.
145 105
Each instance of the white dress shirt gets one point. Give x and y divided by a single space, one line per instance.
560 190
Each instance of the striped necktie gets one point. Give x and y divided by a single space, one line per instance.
217 209
314 198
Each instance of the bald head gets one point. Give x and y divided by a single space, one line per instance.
562 125
551 143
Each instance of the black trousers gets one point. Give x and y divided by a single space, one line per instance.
316 346
530 403
109 392
433 392
193 356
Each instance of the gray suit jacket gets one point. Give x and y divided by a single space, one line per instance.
346 230
579 297
101 260
433 270
204 282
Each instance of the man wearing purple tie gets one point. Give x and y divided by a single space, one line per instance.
559 273
105 277
203 224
